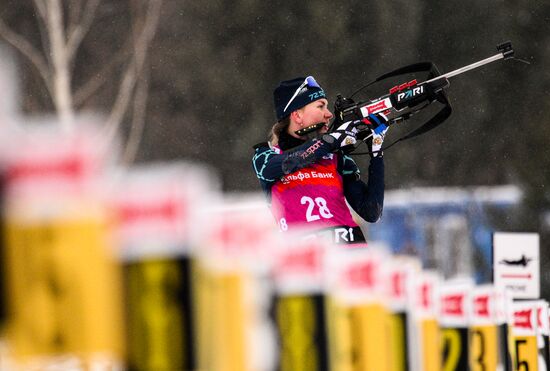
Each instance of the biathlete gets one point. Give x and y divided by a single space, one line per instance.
307 178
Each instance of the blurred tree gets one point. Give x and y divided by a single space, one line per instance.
62 28
214 65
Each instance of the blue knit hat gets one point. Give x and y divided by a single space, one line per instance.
293 94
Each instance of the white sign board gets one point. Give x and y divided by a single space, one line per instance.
455 303
516 264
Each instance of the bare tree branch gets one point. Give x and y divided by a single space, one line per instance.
74 10
138 120
41 22
149 29
76 34
96 81
40 6
121 103
61 39
133 70
28 50
61 72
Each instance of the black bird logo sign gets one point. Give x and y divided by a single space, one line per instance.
523 261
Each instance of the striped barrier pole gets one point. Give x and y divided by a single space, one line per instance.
360 321
63 282
300 304
398 272
455 308
489 329
523 337
232 286
154 209
423 295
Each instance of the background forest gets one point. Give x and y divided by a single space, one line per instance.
212 65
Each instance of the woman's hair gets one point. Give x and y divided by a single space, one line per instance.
277 129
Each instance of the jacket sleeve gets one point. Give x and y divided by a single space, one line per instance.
271 166
366 199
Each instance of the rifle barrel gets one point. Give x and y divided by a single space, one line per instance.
469 67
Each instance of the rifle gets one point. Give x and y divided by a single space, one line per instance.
407 99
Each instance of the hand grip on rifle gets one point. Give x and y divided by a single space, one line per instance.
378 124
345 136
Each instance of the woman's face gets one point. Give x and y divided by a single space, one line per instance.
311 114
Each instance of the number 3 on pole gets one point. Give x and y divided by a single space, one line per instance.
477 344
312 213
